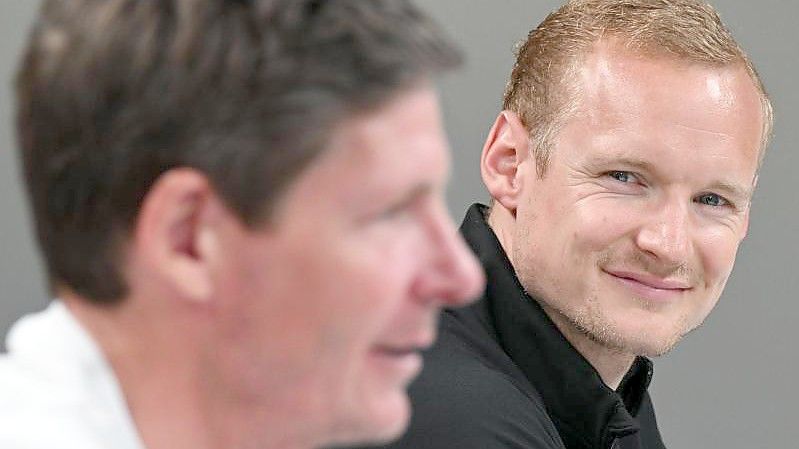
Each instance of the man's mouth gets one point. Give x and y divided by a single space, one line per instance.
651 287
399 362
398 351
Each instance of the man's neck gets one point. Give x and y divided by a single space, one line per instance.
611 364
170 397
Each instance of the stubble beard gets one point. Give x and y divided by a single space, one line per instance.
593 324
587 319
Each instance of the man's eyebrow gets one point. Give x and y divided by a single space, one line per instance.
602 160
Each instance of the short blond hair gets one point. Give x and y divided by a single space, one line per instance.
542 87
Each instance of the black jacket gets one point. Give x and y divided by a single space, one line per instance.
502 376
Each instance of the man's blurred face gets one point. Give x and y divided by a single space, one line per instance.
632 232
330 304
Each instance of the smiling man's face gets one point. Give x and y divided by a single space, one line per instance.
632 232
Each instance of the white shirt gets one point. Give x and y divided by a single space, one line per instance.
57 391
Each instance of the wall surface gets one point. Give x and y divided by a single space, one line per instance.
22 287
728 385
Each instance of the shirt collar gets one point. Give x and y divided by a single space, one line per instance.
55 347
587 413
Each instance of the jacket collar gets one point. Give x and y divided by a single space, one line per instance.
587 413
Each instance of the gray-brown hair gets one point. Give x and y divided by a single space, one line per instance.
113 93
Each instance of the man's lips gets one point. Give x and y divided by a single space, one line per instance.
399 361
652 281
651 286
409 346
398 351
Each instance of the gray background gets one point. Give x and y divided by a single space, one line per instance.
730 384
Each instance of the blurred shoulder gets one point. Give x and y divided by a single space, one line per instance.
39 412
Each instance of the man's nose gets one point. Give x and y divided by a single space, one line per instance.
666 235
455 277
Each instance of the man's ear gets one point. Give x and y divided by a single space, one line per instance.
173 238
506 147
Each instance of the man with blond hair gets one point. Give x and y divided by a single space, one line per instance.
240 205
621 172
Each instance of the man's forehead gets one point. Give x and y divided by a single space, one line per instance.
610 65
614 84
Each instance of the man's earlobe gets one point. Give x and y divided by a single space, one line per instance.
506 147
172 240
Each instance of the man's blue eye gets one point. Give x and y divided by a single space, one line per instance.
711 199
621 176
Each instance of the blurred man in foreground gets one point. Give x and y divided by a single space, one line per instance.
621 171
240 208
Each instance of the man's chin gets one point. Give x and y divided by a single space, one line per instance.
641 342
654 349
638 332
380 424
